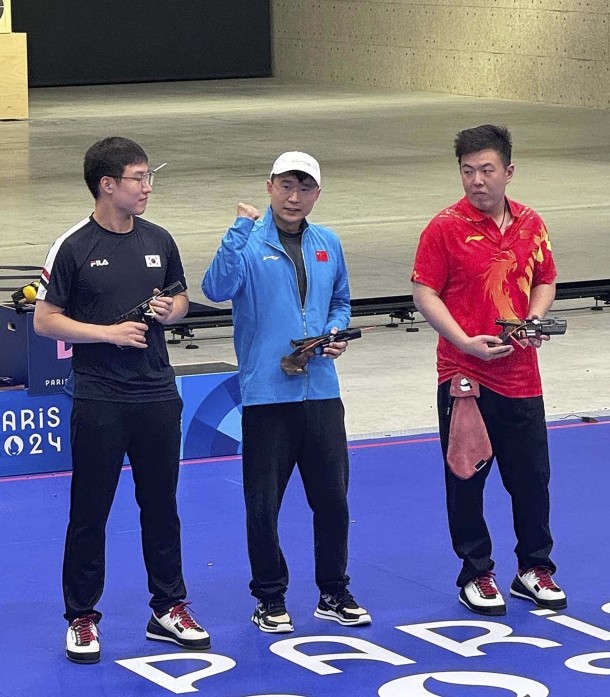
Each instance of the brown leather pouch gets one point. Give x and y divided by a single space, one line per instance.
469 445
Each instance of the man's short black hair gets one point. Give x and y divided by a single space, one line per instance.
301 176
486 137
108 158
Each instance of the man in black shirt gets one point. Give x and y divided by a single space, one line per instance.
125 401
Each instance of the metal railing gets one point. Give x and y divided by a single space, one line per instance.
397 307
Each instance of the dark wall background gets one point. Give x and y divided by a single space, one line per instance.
80 42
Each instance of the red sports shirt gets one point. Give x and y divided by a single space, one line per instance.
482 275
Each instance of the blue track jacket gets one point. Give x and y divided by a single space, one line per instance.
252 269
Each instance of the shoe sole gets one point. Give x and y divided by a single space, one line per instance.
545 604
203 646
358 622
78 658
279 629
498 611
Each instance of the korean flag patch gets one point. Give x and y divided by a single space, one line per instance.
153 261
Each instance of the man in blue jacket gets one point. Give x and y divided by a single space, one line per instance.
287 279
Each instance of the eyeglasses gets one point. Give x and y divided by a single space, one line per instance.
145 178
302 189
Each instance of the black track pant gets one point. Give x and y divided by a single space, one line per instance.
310 434
517 431
101 434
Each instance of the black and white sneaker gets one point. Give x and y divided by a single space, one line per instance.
270 615
178 626
82 642
342 608
537 585
481 595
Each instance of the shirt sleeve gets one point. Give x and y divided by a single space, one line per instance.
175 270
58 275
430 267
545 270
340 309
225 274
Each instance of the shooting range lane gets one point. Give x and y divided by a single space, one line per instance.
388 167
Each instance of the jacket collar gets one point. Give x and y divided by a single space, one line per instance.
271 233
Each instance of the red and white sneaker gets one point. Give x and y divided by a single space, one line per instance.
537 585
82 642
481 595
178 626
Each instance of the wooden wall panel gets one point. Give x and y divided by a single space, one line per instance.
552 51
13 76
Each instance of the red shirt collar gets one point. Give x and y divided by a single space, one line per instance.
465 208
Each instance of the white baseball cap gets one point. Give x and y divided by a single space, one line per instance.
297 161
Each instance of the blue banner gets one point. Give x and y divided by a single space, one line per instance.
41 364
35 429
49 362
211 419
35 433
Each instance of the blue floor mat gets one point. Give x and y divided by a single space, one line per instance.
402 568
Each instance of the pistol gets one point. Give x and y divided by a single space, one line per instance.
525 329
144 312
305 349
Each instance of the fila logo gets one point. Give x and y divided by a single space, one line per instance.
99 262
152 260
270 256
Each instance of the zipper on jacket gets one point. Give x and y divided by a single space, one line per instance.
296 278
306 288
303 308
302 305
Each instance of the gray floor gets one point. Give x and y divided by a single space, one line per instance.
387 168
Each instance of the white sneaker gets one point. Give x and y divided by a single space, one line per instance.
82 643
481 595
537 585
178 626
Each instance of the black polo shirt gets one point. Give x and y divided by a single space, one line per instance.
96 275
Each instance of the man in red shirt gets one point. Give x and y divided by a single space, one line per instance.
484 258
